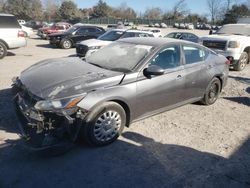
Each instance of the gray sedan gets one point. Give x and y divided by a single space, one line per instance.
60 100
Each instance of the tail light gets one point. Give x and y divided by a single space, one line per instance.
20 34
228 62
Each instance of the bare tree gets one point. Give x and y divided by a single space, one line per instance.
214 8
179 9
153 13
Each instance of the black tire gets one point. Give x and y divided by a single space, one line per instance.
212 92
3 50
66 44
93 129
242 62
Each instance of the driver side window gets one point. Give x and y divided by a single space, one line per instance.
168 58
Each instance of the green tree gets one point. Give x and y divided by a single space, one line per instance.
101 10
68 11
236 12
24 9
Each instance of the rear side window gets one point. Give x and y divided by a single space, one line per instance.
194 54
127 35
9 22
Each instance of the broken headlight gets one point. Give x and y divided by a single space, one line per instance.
65 103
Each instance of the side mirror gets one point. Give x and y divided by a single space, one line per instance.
153 70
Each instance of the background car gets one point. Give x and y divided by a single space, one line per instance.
27 30
126 81
11 34
75 34
156 32
183 36
56 28
87 47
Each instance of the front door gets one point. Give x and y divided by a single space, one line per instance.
160 92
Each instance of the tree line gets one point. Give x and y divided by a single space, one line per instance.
220 11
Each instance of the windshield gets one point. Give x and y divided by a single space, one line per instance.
71 30
234 29
111 35
119 56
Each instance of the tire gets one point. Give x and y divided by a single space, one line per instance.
66 44
242 62
212 92
3 50
104 124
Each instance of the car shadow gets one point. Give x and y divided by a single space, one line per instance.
135 161
8 118
248 90
46 46
240 100
132 161
243 80
10 54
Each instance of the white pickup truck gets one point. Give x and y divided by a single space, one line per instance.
232 41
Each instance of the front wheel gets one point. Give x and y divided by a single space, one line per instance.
212 92
66 44
242 62
105 124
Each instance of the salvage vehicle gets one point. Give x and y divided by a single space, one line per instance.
128 80
87 47
70 37
232 41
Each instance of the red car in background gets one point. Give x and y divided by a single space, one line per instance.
56 28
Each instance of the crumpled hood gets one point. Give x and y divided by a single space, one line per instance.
221 37
95 42
64 77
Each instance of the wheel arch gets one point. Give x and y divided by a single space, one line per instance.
7 46
221 80
126 109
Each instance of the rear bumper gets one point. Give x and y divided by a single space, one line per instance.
17 43
55 42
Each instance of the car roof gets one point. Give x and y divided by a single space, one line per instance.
152 41
116 30
138 31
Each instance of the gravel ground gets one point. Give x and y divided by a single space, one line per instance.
192 146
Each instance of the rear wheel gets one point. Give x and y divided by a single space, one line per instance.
242 62
212 92
66 44
3 50
105 124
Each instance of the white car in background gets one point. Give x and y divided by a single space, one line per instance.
21 22
156 32
11 34
27 30
87 47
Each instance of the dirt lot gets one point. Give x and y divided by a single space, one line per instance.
192 146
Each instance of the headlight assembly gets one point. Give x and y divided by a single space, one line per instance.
233 44
65 103
94 47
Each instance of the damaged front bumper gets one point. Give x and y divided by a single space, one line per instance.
45 130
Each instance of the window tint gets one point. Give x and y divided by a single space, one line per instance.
9 22
191 36
81 31
92 30
168 58
193 54
127 35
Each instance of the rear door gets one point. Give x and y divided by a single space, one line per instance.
196 71
160 92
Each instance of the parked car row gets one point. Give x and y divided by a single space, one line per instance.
189 26
161 25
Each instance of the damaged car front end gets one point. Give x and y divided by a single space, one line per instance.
47 123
